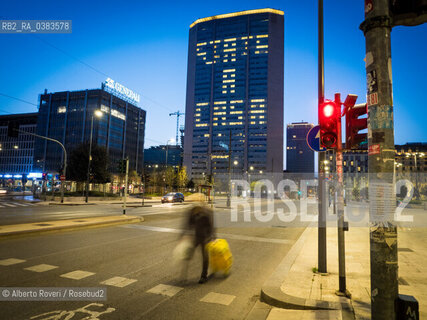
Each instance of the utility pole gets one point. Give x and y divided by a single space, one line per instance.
125 191
383 231
340 204
322 192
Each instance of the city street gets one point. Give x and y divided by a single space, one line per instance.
141 254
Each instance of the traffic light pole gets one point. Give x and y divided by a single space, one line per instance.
322 192
340 204
383 231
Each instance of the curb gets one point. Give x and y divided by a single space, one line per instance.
274 296
83 225
70 204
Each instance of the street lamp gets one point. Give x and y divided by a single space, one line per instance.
98 114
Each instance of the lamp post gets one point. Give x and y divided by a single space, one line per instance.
97 113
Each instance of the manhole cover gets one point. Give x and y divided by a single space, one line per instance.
405 250
42 224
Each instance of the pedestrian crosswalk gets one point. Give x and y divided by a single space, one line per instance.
165 290
16 204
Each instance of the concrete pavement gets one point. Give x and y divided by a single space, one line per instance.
7 231
295 288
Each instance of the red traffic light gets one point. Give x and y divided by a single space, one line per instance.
329 114
328 110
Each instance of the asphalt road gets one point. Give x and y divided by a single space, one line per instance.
142 255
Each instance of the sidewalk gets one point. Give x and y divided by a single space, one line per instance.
301 288
69 224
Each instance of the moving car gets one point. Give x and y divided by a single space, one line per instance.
173 197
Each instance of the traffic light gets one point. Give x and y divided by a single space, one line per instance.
122 166
12 129
329 114
44 176
353 125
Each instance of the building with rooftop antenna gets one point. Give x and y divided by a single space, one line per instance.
235 85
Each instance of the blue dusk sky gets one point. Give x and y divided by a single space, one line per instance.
144 45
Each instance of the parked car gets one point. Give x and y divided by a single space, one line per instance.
173 197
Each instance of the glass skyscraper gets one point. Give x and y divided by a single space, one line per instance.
66 116
299 156
235 87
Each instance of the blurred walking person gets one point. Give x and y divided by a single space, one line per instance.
200 223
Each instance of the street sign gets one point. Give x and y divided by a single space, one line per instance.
62 178
313 139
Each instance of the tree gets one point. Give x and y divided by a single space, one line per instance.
78 162
156 179
170 177
134 178
182 177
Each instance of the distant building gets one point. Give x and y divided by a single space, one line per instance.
410 158
354 161
66 116
158 156
299 156
235 86
16 154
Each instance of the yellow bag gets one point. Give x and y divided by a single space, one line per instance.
220 257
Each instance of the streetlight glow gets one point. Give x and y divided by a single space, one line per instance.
98 113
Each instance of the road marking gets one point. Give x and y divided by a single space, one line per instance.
68 314
118 282
9 205
165 290
20 204
218 298
218 235
41 268
77 275
10 261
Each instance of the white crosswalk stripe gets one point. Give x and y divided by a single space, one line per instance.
77 275
165 290
119 282
10 261
9 204
16 204
20 204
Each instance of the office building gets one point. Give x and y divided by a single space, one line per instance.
16 154
67 116
235 94
158 157
299 156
